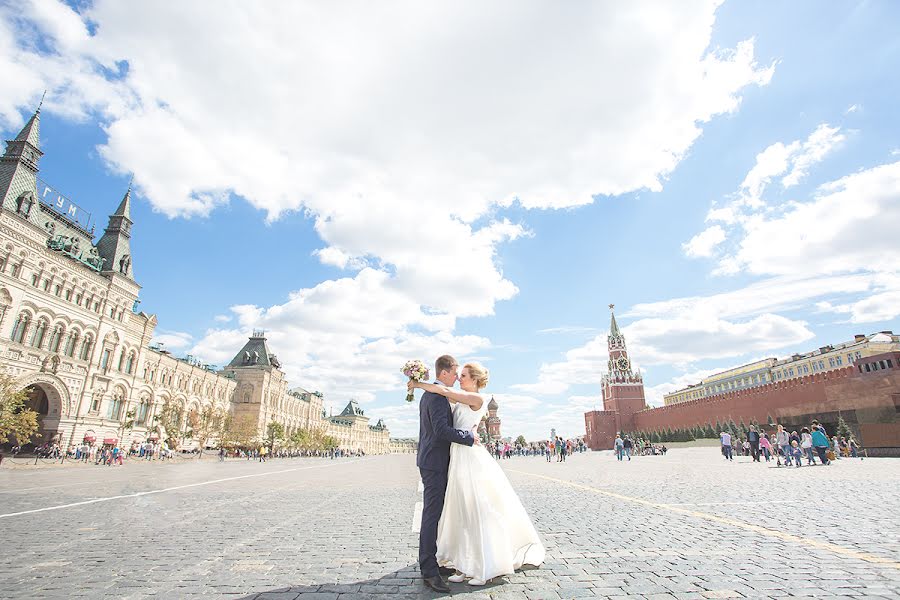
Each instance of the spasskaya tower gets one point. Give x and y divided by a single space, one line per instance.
623 389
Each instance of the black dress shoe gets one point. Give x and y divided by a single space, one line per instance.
446 571
436 583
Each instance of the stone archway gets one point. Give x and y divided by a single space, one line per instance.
39 400
48 396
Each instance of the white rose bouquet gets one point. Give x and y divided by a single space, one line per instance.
416 371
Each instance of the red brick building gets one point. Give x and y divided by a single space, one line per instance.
866 395
623 394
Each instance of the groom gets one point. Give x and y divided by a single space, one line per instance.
433 459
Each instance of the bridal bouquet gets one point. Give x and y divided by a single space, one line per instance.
416 371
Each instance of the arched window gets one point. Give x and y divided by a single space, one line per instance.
129 364
143 411
19 328
104 359
121 360
114 410
86 348
56 339
71 341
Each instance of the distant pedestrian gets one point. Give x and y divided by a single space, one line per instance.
725 439
797 453
806 445
783 441
765 446
820 443
628 445
620 447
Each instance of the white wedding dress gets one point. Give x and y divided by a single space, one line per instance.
484 531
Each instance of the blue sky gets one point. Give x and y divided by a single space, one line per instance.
398 182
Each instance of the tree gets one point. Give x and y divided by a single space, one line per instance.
16 420
301 438
127 423
206 424
843 430
521 441
274 433
168 420
240 431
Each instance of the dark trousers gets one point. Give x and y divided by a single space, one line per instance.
435 484
754 450
821 450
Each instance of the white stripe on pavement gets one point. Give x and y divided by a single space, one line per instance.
170 489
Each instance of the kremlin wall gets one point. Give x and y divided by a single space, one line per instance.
866 394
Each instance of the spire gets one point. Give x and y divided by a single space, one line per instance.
124 209
18 170
115 244
613 326
31 133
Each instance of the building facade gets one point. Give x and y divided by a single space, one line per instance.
825 359
857 383
71 334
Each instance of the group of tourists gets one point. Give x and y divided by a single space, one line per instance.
625 447
554 449
264 453
790 448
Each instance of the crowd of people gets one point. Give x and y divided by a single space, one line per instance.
790 448
625 447
264 453
556 449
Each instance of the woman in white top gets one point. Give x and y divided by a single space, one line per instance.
806 445
484 531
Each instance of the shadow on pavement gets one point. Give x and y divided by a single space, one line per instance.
402 584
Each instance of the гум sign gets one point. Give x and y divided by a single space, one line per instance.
63 205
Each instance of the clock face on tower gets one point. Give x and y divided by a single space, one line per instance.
622 363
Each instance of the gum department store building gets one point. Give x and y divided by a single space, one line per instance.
71 335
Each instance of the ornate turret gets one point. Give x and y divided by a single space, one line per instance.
115 244
623 389
255 353
18 171
492 421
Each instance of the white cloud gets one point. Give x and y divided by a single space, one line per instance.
703 244
654 394
582 365
222 318
173 340
791 162
403 144
347 338
564 329
852 109
848 226
822 141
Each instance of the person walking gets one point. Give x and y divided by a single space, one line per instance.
854 447
620 447
820 443
806 445
628 445
765 446
725 438
753 441
782 440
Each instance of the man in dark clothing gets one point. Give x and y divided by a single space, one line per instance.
753 438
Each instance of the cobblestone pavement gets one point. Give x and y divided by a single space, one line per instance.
687 525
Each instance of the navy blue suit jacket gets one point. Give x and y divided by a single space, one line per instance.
436 433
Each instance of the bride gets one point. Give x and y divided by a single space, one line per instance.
484 531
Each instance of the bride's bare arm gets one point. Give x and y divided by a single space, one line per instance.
470 399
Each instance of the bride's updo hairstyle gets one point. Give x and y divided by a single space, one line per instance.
478 374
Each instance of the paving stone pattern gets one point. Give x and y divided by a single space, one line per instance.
321 529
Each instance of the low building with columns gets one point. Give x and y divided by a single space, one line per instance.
71 334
